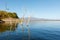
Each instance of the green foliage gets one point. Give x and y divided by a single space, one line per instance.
5 14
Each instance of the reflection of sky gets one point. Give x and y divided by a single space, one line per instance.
35 8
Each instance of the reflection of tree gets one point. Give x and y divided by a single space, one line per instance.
7 26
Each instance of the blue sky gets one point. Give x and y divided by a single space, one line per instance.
36 8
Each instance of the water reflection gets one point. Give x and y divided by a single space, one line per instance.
7 26
23 31
34 31
28 32
10 28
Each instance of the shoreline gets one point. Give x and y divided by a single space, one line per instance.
10 20
17 20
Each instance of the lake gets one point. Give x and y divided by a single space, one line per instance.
49 30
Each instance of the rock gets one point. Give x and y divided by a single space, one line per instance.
2 21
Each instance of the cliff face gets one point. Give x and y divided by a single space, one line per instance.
5 14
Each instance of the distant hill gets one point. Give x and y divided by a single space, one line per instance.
41 19
5 14
33 18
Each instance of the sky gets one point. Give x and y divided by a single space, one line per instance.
49 9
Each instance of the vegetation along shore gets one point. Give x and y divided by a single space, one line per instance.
8 16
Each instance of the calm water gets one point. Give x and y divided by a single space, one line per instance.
34 31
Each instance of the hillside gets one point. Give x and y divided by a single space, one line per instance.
41 19
5 14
